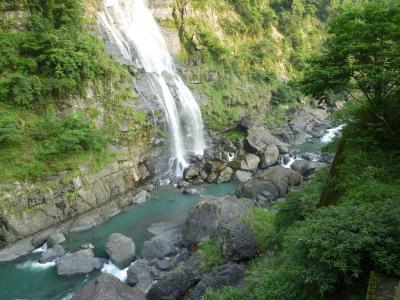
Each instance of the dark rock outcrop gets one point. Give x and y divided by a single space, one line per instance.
236 241
173 285
226 275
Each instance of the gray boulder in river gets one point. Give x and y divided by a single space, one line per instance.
121 250
80 262
52 254
140 275
209 212
108 287
158 247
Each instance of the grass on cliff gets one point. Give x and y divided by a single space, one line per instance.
33 147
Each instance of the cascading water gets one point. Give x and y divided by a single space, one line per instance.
132 28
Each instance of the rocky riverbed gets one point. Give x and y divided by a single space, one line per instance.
165 264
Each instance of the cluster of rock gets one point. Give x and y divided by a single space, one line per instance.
166 268
260 150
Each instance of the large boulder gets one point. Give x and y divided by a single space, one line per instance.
108 287
158 247
209 212
140 275
252 162
55 239
270 156
173 285
259 139
80 262
121 250
225 175
271 184
247 163
236 241
242 176
226 275
306 167
52 254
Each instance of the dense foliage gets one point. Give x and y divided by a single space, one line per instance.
50 66
361 55
52 58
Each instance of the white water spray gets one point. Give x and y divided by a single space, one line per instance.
331 134
132 28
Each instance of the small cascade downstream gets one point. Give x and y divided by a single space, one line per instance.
131 27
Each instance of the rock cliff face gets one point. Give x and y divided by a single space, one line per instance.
39 206
86 196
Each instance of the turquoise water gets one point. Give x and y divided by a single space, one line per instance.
24 279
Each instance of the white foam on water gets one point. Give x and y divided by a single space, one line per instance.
68 296
231 156
35 265
112 269
332 133
289 163
40 249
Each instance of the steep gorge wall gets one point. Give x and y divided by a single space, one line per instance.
87 195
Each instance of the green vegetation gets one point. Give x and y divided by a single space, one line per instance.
339 230
245 60
211 254
261 224
49 63
34 147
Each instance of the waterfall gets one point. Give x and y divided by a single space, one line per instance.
131 27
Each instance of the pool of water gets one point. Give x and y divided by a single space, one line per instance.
27 279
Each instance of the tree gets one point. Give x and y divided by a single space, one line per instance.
361 54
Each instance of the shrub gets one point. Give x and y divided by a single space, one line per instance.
300 204
337 245
10 132
69 135
56 56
